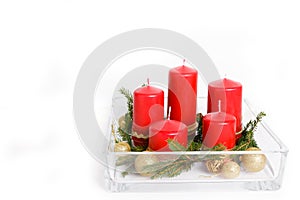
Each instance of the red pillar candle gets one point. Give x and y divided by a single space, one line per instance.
230 94
148 107
182 94
161 131
219 128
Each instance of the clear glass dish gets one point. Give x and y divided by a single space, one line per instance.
270 178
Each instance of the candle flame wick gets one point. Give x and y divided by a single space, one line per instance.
148 81
183 62
169 113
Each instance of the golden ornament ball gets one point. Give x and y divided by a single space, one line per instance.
230 170
144 160
214 166
254 162
122 147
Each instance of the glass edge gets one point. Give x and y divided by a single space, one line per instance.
283 147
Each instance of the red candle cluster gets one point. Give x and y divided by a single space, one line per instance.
220 125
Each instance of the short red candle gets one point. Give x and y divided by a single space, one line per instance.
161 131
182 94
219 128
148 107
230 94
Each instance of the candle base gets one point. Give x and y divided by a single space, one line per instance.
139 140
192 129
238 135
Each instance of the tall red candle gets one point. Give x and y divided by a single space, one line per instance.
230 94
219 128
182 94
148 107
161 131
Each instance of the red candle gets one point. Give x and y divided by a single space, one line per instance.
219 128
161 131
182 94
148 107
230 94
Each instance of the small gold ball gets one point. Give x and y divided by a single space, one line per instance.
214 166
254 162
122 147
144 160
230 170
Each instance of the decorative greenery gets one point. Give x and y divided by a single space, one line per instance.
125 132
247 140
169 168
196 144
199 119
129 98
174 166
218 147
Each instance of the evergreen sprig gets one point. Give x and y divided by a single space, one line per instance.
125 132
129 98
247 139
196 144
172 167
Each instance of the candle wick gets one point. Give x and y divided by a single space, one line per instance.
169 113
148 81
183 62
219 105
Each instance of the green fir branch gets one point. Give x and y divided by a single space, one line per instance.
175 168
129 98
175 146
247 139
129 170
125 160
194 146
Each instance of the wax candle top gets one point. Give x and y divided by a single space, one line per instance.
169 126
148 90
225 83
219 117
183 70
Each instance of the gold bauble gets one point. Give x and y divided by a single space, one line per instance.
230 170
144 160
214 166
254 162
122 147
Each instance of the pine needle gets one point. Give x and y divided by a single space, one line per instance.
247 140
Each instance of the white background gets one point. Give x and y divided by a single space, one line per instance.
43 45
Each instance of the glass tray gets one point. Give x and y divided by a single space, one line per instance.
270 178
